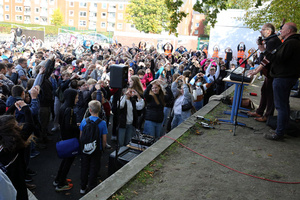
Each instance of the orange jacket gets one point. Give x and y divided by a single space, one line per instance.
215 54
240 54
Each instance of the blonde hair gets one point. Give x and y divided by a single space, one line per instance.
161 93
91 81
94 106
137 85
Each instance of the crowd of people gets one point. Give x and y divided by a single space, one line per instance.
71 86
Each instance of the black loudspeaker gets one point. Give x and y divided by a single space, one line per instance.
125 155
229 56
118 76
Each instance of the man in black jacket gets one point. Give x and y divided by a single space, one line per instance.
271 42
285 70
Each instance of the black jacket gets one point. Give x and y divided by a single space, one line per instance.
67 116
154 112
284 62
272 42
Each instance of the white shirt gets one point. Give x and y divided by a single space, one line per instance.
139 106
178 105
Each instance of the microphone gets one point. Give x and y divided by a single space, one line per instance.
278 33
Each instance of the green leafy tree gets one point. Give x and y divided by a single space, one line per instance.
176 16
258 12
57 17
272 11
149 16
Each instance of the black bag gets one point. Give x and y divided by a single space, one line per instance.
187 106
90 140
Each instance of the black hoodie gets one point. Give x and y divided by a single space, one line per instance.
67 117
284 62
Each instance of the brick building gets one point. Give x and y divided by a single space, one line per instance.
100 15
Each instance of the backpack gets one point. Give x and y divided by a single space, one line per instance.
90 140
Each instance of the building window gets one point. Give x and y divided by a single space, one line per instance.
71 22
18 1
6 0
71 12
112 15
37 1
19 17
95 5
82 5
51 2
196 32
82 14
6 17
93 14
103 24
121 6
27 19
44 19
71 3
197 24
104 5
36 19
103 15
37 10
111 25
6 8
82 23
120 26
132 26
27 9
120 15
112 6
19 8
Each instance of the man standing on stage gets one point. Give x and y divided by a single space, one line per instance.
285 70
270 42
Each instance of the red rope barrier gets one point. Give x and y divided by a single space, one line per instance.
265 179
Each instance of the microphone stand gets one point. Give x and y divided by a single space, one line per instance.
240 91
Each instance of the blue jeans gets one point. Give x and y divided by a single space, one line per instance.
152 128
177 119
198 105
281 90
125 134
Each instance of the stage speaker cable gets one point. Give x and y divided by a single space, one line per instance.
253 176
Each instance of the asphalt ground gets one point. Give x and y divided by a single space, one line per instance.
47 163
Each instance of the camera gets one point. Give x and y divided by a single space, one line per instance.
259 40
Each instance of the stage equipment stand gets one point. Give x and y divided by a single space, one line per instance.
237 99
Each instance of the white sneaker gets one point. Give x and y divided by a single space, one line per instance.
55 128
82 191
260 77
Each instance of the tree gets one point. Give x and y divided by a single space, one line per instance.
258 11
57 17
149 16
272 11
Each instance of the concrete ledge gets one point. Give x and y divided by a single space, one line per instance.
116 181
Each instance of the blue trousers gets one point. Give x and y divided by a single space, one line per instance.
177 119
152 128
281 90
125 134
